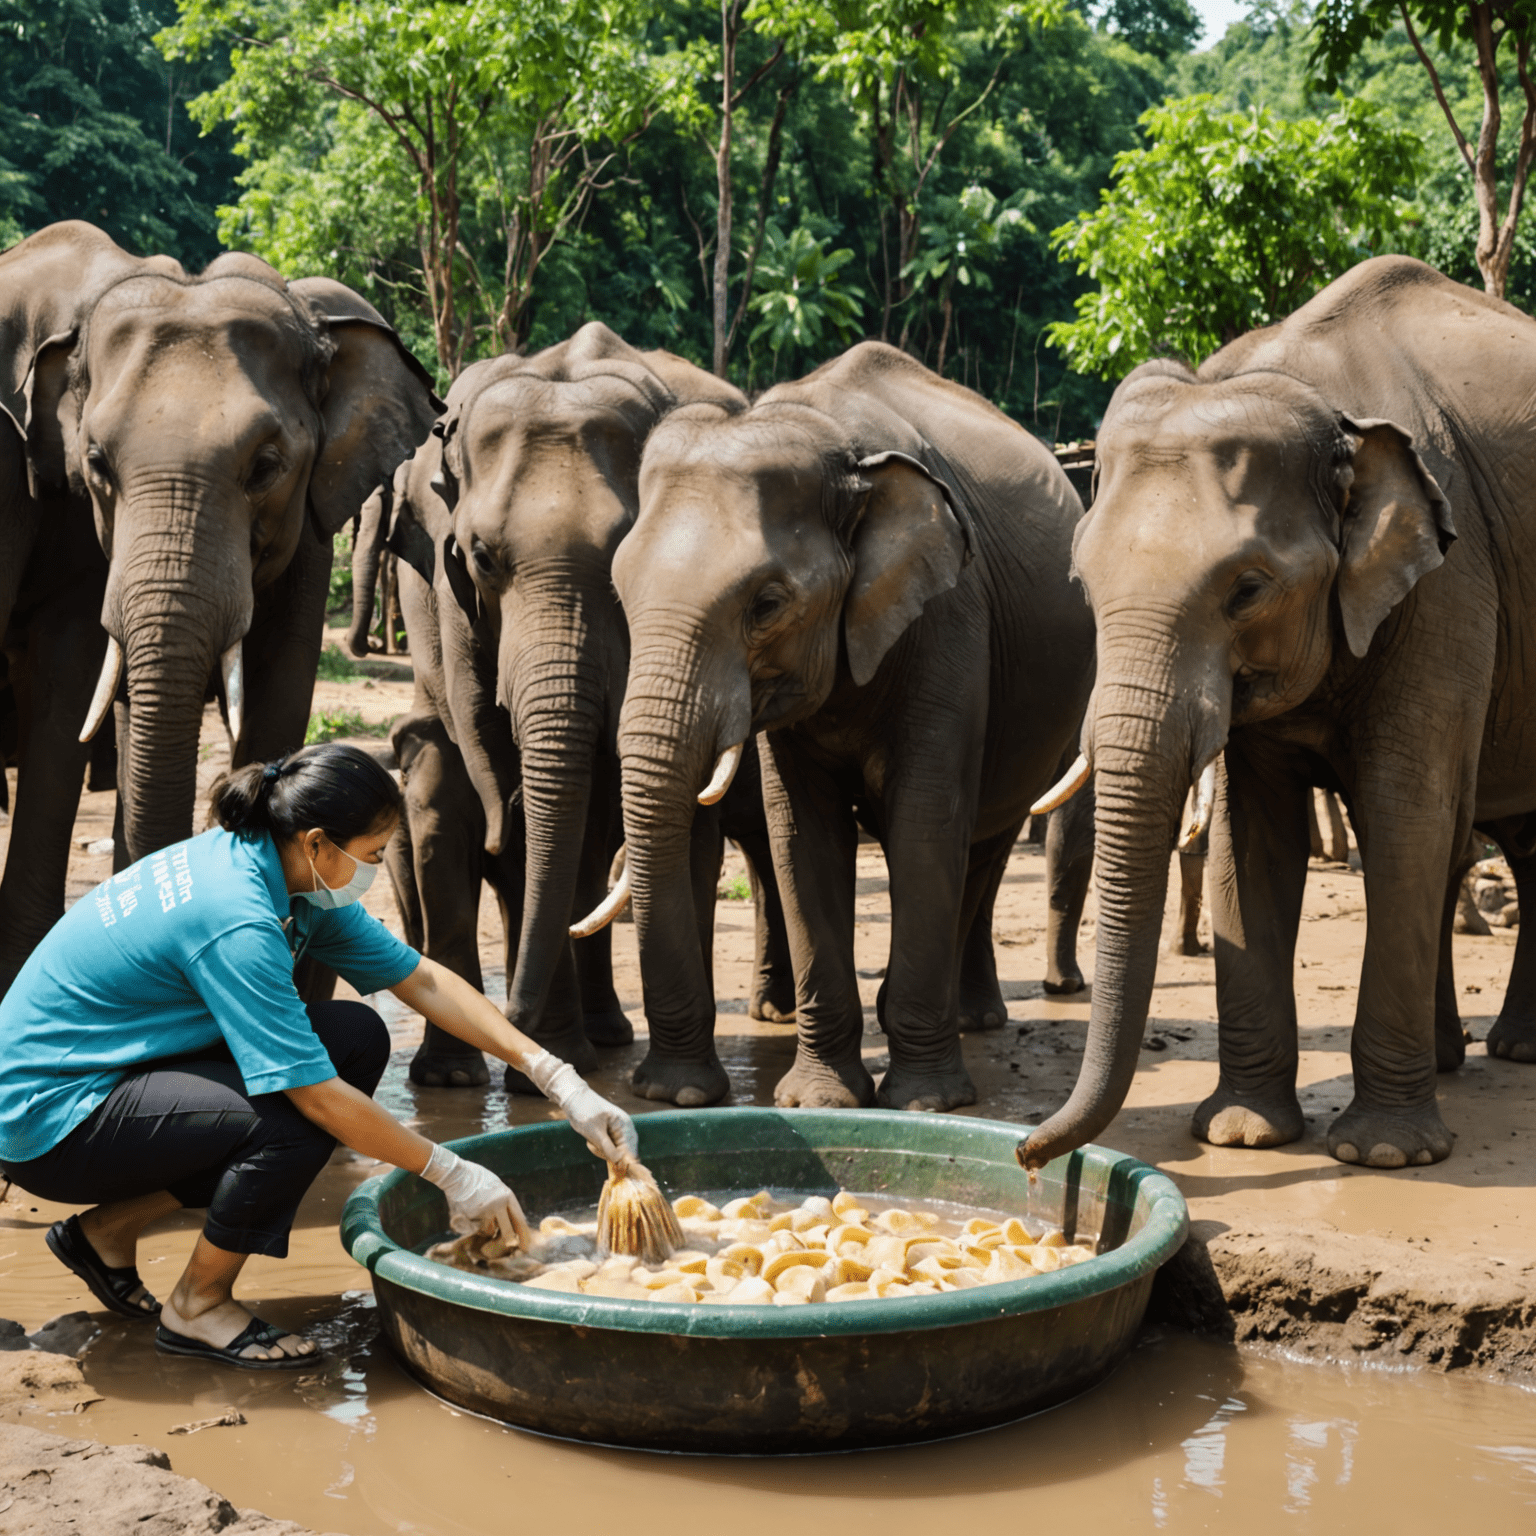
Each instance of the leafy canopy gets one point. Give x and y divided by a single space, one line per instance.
1227 221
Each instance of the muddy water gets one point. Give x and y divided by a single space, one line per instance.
1187 1436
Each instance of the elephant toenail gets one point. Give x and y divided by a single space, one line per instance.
1423 1157
1347 1152
1384 1155
691 1098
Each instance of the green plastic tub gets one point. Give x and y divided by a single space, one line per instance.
774 1380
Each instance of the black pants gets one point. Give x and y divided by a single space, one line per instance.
189 1126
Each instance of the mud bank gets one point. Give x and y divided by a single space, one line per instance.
1344 1297
52 1484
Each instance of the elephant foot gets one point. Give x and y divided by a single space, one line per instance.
609 1027
816 1084
926 1088
1227 1119
569 1044
1382 1138
773 1002
1513 1038
1062 981
449 1069
981 1011
690 1082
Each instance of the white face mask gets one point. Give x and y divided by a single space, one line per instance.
327 898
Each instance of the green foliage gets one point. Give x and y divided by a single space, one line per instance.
480 131
333 725
92 126
1225 222
800 302
335 666
1162 28
738 888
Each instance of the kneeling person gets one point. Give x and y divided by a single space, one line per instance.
154 1052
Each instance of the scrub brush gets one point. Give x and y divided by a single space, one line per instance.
633 1217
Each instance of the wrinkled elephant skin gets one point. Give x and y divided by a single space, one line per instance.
1301 558
870 569
217 430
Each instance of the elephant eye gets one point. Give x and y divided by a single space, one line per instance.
1248 591
485 562
96 462
265 471
766 607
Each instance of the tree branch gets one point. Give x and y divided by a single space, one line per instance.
1434 80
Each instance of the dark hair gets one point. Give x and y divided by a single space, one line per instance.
340 789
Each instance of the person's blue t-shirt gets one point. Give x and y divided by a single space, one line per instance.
192 945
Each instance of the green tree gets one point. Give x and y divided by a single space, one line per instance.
93 126
506 116
801 304
1344 28
1227 221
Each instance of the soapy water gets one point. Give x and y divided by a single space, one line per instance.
758 1250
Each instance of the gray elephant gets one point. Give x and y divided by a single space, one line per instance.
216 431
1303 561
869 568
537 457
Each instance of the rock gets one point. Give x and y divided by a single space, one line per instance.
13 1335
1346 1296
1468 919
1508 916
1489 894
50 1484
71 1333
32 1381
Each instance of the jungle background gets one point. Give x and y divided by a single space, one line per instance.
1031 197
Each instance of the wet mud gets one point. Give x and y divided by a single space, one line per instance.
1191 1434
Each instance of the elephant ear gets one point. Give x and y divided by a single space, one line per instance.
1395 526
50 416
378 403
910 545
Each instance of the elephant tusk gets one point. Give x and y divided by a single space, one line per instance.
606 910
725 770
232 670
1072 781
1200 814
106 689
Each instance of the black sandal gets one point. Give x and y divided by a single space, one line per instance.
111 1287
263 1335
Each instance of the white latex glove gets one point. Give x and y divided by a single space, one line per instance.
475 1194
607 1129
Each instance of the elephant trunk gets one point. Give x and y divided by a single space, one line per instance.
1151 728
557 701
178 597
688 700
367 551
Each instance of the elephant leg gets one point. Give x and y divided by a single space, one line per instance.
1068 867
1338 835
1450 1037
443 833
1513 1036
1191 899
930 860
1258 851
282 650
815 840
63 657
980 1004
604 1021
773 974
1314 830
1409 855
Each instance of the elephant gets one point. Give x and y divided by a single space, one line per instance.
1303 562
208 435
868 569
512 511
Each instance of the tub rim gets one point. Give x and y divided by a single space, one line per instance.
363 1235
